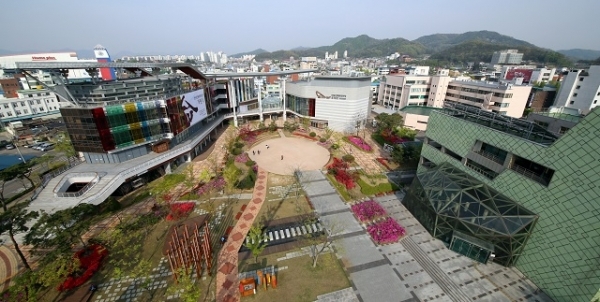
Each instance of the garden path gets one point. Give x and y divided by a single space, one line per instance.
227 261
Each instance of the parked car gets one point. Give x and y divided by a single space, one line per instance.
40 146
47 147
10 147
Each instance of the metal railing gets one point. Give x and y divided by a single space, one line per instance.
488 174
529 174
490 156
84 189
48 177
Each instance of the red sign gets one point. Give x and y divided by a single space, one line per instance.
43 58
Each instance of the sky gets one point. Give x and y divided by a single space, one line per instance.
232 26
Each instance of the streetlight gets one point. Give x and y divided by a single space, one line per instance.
19 150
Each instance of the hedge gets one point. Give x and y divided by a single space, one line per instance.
339 187
369 190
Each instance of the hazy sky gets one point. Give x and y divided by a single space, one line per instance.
191 26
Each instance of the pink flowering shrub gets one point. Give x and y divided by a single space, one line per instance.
359 143
180 210
368 210
242 158
386 231
213 185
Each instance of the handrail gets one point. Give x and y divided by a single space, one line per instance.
487 174
529 174
85 188
490 156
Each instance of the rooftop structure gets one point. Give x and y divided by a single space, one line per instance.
553 178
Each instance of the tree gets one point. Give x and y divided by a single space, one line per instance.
185 287
328 133
14 221
62 229
397 154
231 175
406 133
163 187
388 121
65 146
255 241
317 242
273 126
19 171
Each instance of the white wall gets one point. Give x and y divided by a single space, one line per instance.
341 115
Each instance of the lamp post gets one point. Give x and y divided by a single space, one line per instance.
19 150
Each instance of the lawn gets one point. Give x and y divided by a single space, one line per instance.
300 281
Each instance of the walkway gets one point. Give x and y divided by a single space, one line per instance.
9 266
227 262
419 267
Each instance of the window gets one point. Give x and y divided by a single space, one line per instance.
1 114
9 113
571 102
504 105
578 86
41 109
598 93
563 130
15 104
580 79
22 104
31 102
5 106
595 101
503 112
18 111
574 94
38 102
30 95
25 111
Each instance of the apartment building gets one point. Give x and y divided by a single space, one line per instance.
580 89
509 56
494 188
398 91
29 104
505 99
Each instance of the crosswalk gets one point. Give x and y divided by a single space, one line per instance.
287 233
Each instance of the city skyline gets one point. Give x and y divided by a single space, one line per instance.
235 27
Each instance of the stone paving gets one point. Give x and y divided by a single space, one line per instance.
9 266
227 261
418 268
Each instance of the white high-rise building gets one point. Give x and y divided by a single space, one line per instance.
580 89
345 54
509 56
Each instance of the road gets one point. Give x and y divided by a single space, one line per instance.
16 186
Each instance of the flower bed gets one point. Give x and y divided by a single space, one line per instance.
248 135
242 158
386 231
90 259
180 210
392 138
360 143
368 211
214 185
339 169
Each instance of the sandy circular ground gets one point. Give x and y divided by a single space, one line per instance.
297 153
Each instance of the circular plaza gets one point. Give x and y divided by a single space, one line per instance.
285 155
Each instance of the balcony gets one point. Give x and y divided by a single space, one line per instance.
481 169
531 175
491 156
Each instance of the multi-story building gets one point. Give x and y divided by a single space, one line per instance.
9 86
541 98
580 89
323 98
509 56
398 91
28 105
529 74
496 188
506 99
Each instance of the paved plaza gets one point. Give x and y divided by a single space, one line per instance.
419 267
298 153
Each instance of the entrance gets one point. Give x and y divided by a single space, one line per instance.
471 247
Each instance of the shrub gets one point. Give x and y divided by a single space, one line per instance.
290 126
322 140
215 184
248 181
348 158
90 259
312 134
250 163
242 158
236 151
335 146
262 125
368 210
180 210
238 145
273 126
386 231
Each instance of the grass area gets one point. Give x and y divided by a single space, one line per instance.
300 281
340 188
283 208
380 187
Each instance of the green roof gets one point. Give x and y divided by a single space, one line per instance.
561 116
420 110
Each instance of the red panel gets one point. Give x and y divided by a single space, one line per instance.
519 73
108 143
311 107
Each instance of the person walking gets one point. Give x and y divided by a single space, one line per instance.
258 152
253 152
282 157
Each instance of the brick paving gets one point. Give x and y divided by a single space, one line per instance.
227 261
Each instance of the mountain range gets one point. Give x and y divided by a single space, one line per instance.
581 54
449 48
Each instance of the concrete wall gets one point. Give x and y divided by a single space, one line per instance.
415 121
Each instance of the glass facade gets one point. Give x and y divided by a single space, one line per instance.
300 105
449 202
117 126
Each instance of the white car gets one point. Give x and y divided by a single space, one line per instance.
10 147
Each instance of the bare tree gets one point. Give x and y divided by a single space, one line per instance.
319 242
